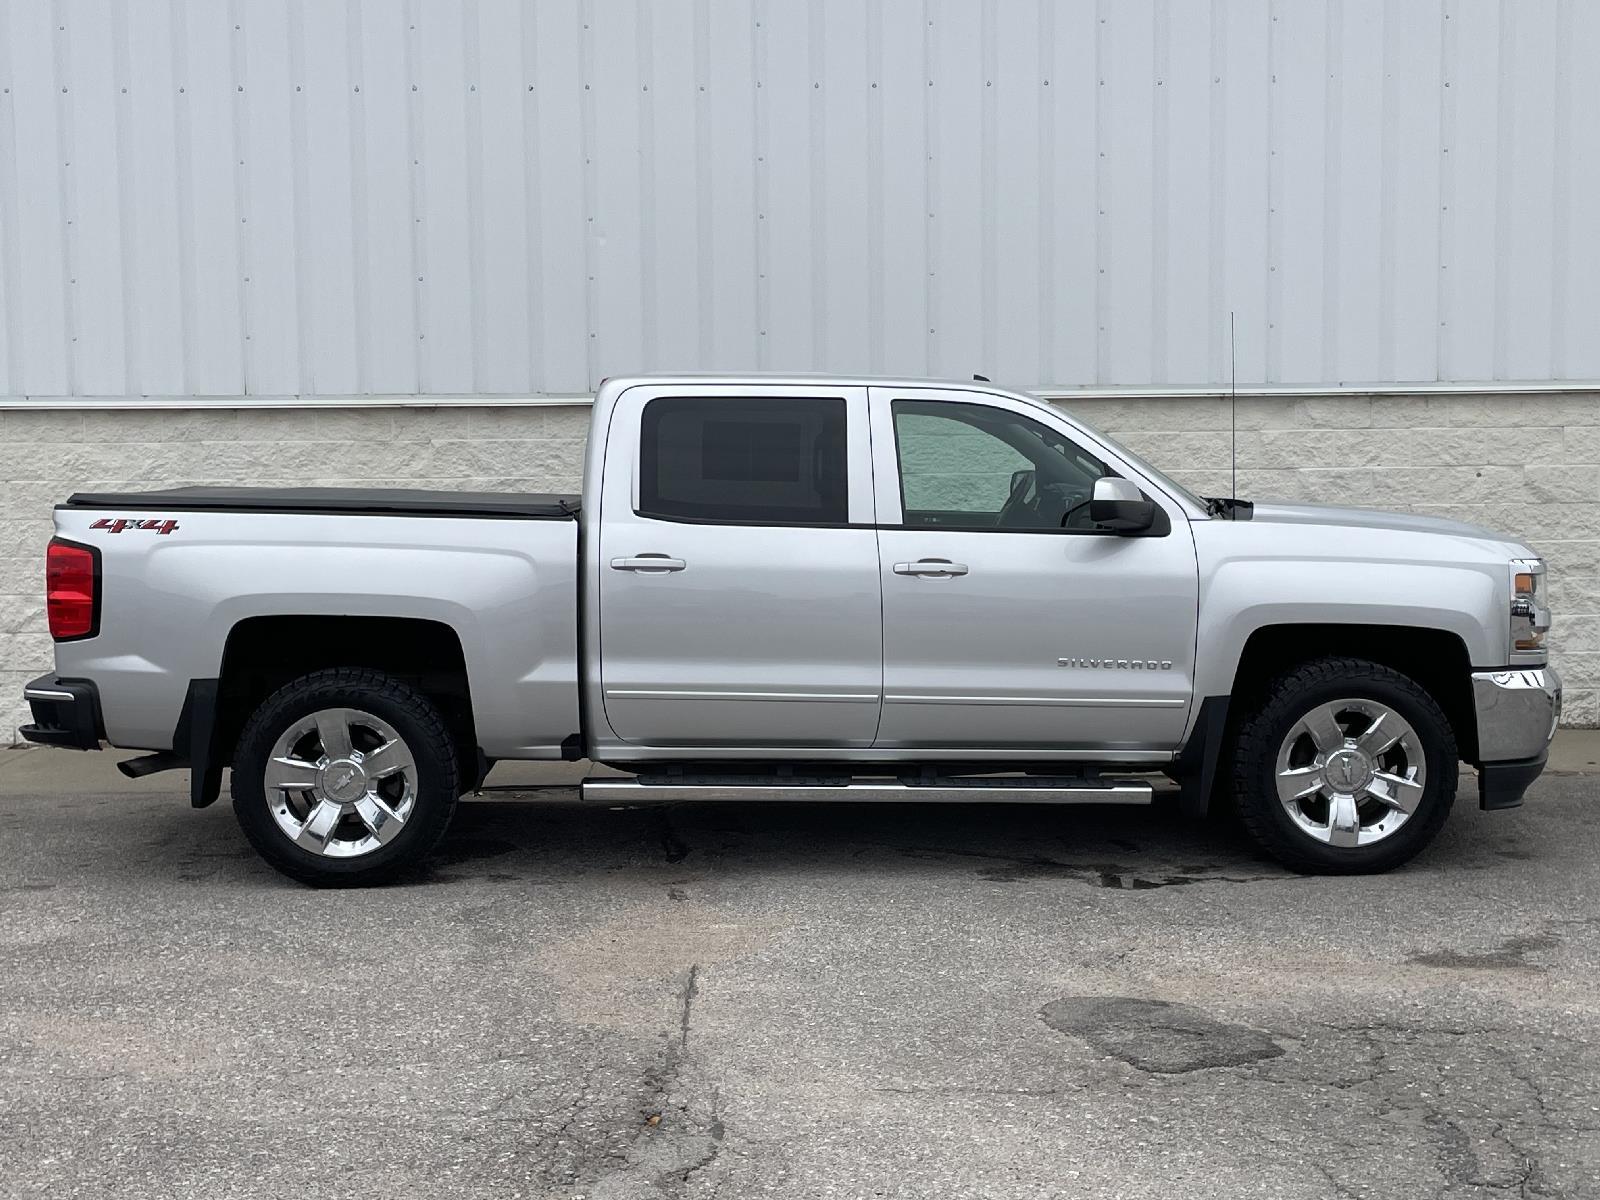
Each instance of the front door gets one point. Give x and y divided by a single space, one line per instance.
1010 619
738 569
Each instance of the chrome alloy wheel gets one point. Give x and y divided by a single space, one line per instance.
341 783
1351 772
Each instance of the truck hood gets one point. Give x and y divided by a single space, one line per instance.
1372 518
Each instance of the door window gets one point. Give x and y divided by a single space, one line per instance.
744 460
973 466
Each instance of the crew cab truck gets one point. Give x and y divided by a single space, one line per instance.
802 588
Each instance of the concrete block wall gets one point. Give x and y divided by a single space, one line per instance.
1523 464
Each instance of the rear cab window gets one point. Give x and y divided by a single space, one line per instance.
744 460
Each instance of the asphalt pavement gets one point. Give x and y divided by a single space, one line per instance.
793 1001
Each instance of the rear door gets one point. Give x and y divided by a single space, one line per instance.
738 567
1011 621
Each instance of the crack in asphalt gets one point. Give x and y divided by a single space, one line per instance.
677 1133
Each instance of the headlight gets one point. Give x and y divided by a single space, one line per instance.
1530 618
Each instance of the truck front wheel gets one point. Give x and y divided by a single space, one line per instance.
344 777
1344 767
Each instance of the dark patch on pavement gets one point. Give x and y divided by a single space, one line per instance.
470 849
1112 875
1511 954
1157 1036
673 847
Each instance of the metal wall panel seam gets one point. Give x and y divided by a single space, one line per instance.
763 249
419 227
1274 332
1560 189
1388 157
875 167
127 231
472 121
533 198
1160 248
1447 46
817 56
10 276
988 172
1332 163
649 351
241 198
590 192
930 132
1221 343
62 59
360 226
301 189
1045 14
183 186
1505 126
1102 225
705 231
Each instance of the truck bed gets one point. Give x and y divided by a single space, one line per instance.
413 502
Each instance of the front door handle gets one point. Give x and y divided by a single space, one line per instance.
937 568
648 562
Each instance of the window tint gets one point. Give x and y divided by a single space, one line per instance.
972 466
743 459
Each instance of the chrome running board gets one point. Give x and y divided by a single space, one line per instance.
1015 789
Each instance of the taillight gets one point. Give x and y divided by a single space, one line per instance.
72 590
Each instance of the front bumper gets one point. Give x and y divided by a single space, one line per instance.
66 712
1517 711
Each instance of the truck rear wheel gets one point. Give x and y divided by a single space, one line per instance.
344 777
1344 767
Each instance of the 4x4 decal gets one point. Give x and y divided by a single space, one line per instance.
118 524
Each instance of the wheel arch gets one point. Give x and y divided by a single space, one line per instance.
1437 659
262 653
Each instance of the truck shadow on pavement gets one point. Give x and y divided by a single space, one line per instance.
1120 848
1104 846
538 839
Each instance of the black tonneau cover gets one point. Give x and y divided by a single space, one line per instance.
413 502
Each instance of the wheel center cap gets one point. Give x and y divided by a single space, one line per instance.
343 780
1347 771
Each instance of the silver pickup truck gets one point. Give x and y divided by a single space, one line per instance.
802 588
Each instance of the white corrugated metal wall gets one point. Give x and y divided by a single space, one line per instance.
271 197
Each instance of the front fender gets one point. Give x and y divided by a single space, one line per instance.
1238 597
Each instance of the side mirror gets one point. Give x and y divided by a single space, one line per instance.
1021 481
1118 504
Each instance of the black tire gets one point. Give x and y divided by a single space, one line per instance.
420 727
1263 729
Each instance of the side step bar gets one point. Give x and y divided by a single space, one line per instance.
658 789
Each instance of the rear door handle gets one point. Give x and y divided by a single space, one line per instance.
938 568
648 562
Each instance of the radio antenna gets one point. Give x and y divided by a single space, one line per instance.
1233 402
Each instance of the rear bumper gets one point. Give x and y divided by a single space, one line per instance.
1517 711
66 712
